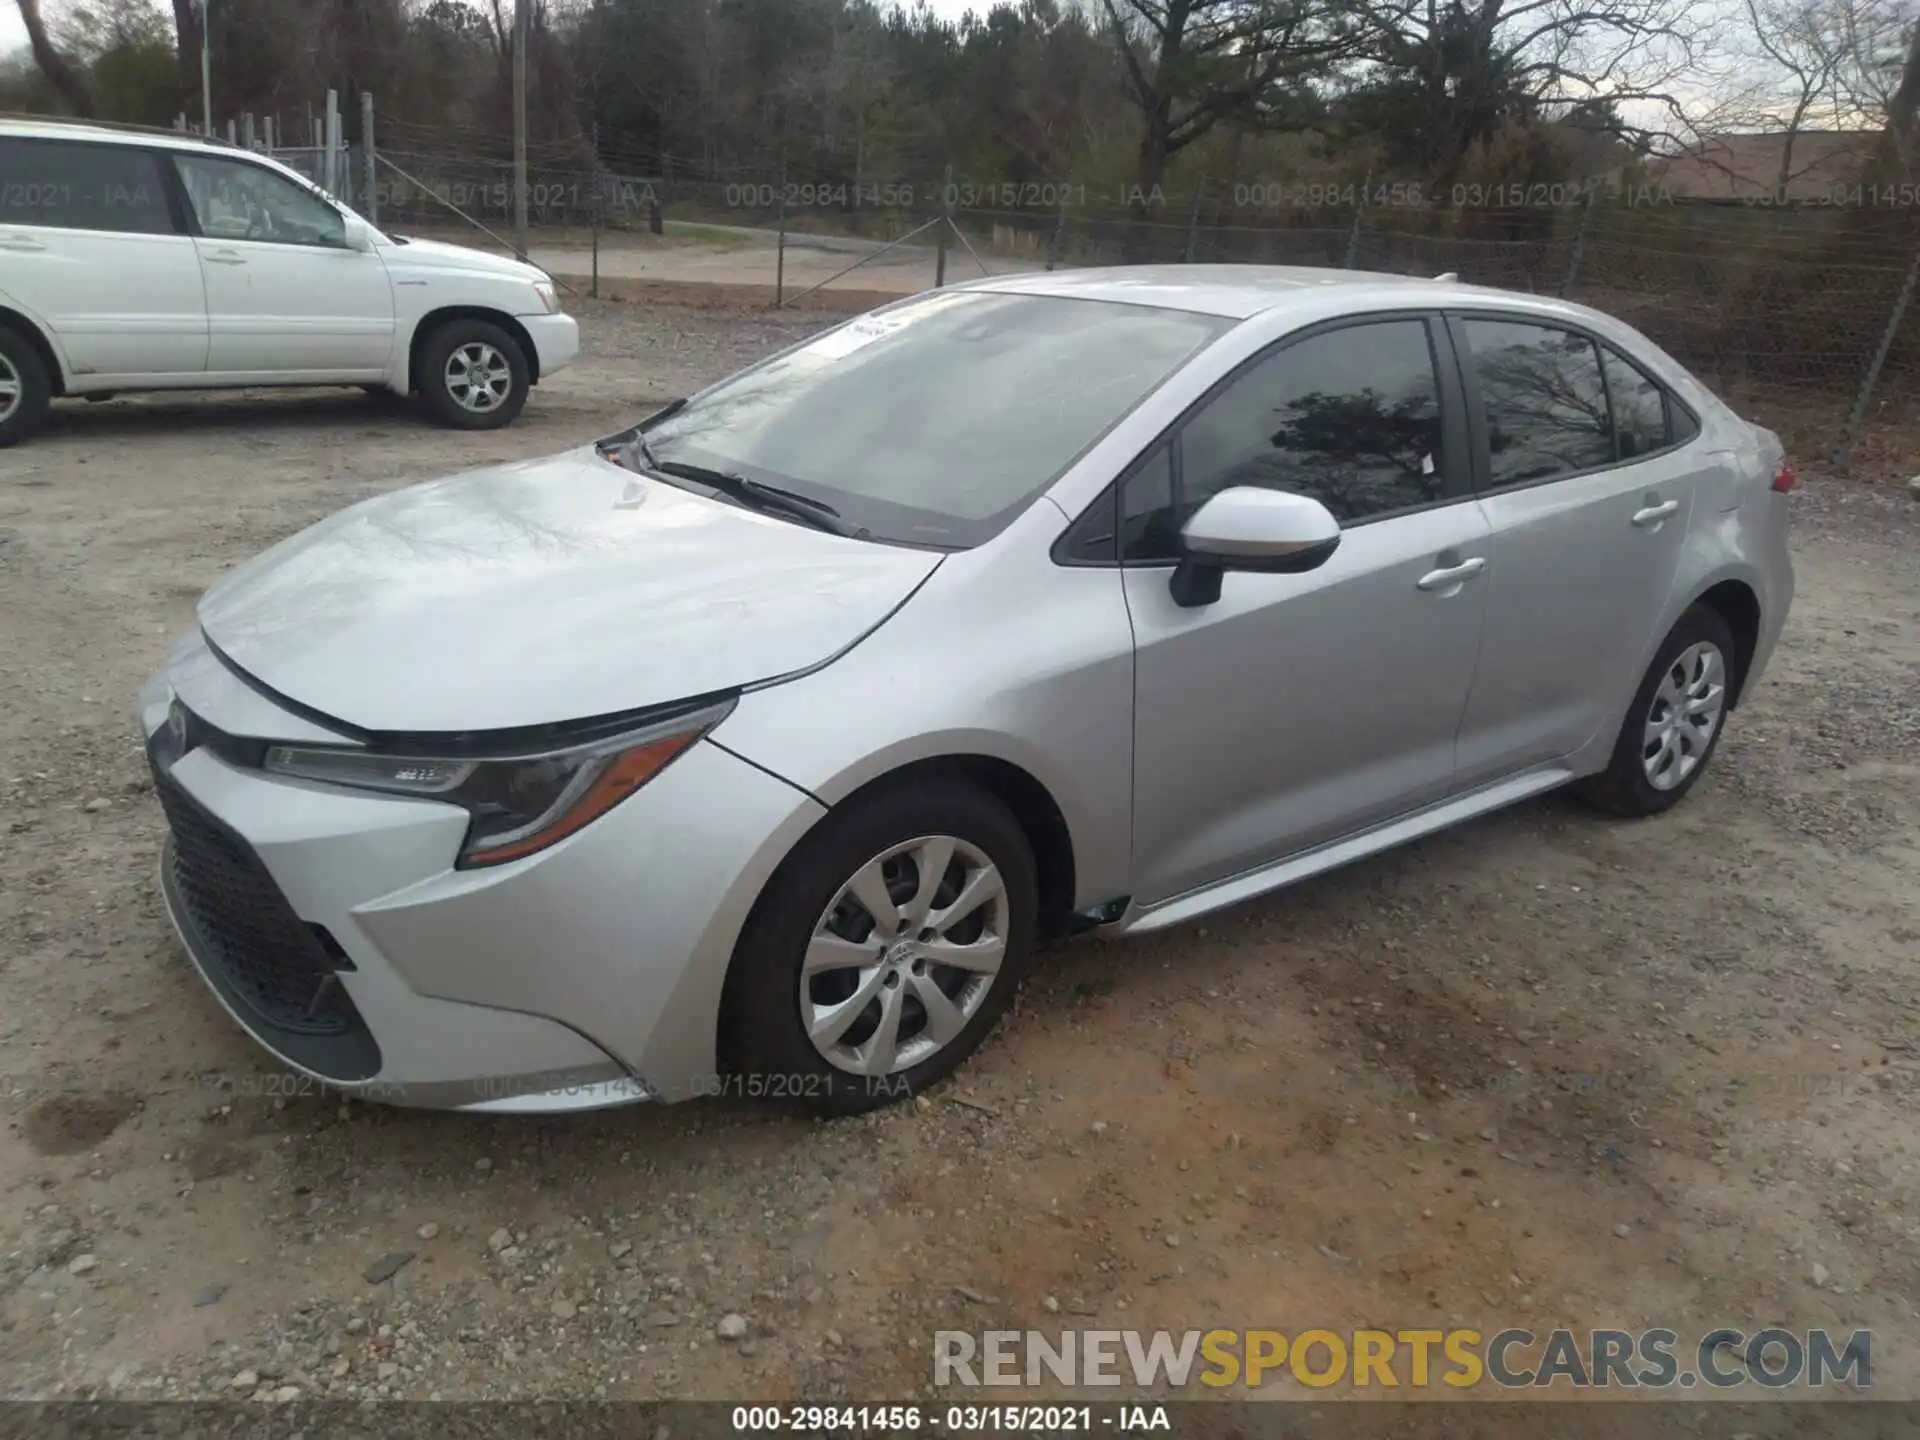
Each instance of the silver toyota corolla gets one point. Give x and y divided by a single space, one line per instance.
752 750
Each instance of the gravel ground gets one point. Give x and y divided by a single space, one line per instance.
1544 1069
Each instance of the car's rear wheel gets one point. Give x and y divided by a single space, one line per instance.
883 951
26 391
473 375
1674 722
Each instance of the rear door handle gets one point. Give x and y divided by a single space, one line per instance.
225 257
20 242
1654 514
1448 577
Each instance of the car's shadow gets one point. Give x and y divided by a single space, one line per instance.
231 410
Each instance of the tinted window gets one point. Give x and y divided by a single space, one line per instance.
1639 408
1091 540
1147 531
234 200
939 420
1350 417
1680 419
82 187
1546 407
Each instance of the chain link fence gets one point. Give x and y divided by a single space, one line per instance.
1803 317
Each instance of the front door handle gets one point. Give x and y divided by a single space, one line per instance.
225 257
21 242
1451 577
1654 514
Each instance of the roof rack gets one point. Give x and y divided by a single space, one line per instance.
116 126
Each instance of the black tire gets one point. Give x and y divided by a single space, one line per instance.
431 380
23 364
1624 787
766 1051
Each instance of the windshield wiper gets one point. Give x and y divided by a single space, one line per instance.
754 494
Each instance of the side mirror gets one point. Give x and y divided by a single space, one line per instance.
355 234
1247 528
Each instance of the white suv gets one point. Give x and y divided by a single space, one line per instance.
137 261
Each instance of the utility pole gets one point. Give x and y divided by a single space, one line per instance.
206 67
522 32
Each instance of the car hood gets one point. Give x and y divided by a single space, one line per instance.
437 255
551 590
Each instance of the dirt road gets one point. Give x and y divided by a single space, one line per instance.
1546 1069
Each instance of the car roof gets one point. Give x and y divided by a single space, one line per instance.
19 128
1240 292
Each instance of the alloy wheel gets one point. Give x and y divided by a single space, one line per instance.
479 377
1685 714
904 956
12 390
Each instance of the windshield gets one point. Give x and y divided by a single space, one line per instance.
935 422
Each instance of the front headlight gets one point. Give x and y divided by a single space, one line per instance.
520 803
549 296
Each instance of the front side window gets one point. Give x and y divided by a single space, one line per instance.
936 422
1545 402
74 186
1350 417
235 200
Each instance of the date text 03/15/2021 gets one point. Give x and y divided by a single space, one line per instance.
949 1419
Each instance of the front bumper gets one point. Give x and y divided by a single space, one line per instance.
586 975
556 340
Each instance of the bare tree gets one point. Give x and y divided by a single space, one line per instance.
1191 64
66 80
1886 75
1464 68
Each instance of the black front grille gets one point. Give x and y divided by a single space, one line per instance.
268 957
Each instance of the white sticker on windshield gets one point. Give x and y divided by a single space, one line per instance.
837 344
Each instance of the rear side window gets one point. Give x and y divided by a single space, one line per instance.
1545 403
76 186
1639 409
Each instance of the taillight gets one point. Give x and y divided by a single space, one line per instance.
1784 478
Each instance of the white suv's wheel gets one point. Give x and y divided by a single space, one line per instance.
473 375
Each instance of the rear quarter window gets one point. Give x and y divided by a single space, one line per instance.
73 185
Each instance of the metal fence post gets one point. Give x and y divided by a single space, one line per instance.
246 129
372 198
946 225
1359 212
1579 248
268 124
1872 377
780 245
593 212
1056 242
1193 221
330 159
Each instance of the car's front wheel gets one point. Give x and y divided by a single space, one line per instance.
882 951
1674 722
473 375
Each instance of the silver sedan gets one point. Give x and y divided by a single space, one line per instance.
753 750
